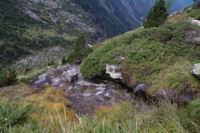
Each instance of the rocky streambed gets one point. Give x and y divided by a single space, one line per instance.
87 95
84 95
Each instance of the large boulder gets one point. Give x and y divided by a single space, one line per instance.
140 91
196 70
72 75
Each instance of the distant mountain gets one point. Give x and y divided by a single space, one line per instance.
180 4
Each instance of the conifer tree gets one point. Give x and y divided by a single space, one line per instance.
197 3
157 15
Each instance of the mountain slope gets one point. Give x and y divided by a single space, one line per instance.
27 25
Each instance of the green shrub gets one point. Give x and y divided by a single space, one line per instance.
7 77
51 63
12 114
195 109
81 51
64 61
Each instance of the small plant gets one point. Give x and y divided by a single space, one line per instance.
7 77
64 61
51 63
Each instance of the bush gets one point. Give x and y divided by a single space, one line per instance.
64 61
7 77
157 16
13 114
51 63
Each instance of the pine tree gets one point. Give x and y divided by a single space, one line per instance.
80 46
157 15
197 3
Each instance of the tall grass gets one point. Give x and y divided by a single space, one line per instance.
123 118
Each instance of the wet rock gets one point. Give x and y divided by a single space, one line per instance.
72 75
113 71
196 70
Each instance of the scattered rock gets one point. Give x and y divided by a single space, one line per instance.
113 71
196 70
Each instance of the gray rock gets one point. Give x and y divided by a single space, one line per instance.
141 88
113 71
197 22
86 94
99 93
107 95
41 78
196 70
72 75
101 88
197 39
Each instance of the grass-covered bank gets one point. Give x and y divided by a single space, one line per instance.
149 53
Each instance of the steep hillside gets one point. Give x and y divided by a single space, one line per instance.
160 57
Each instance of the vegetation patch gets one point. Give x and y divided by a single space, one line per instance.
147 53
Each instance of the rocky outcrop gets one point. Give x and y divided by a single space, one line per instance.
196 70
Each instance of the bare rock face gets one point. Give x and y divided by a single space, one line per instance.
113 71
196 70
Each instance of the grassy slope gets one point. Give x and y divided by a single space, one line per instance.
161 57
